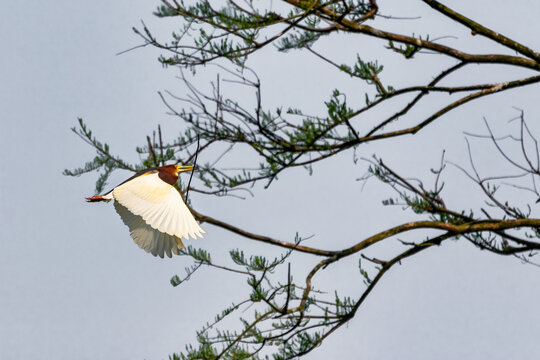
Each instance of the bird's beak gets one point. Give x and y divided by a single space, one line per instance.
184 168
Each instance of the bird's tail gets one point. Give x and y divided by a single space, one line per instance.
97 198
105 197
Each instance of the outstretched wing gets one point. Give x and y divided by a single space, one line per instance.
158 204
148 238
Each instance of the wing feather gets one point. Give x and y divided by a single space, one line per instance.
168 246
155 246
179 243
174 247
160 206
146 237
160 245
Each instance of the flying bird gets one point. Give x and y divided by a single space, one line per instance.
153 210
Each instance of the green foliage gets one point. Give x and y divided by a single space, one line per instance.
237 33
364 273
338 111
369 72
200 257
277 309
364 70
407 50
103 160
297 40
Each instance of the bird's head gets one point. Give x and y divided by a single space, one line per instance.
180 168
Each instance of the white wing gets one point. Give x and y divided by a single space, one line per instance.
159 204
148 238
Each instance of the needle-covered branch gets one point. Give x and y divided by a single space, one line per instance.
288 310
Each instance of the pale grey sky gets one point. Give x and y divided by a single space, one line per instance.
73 284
